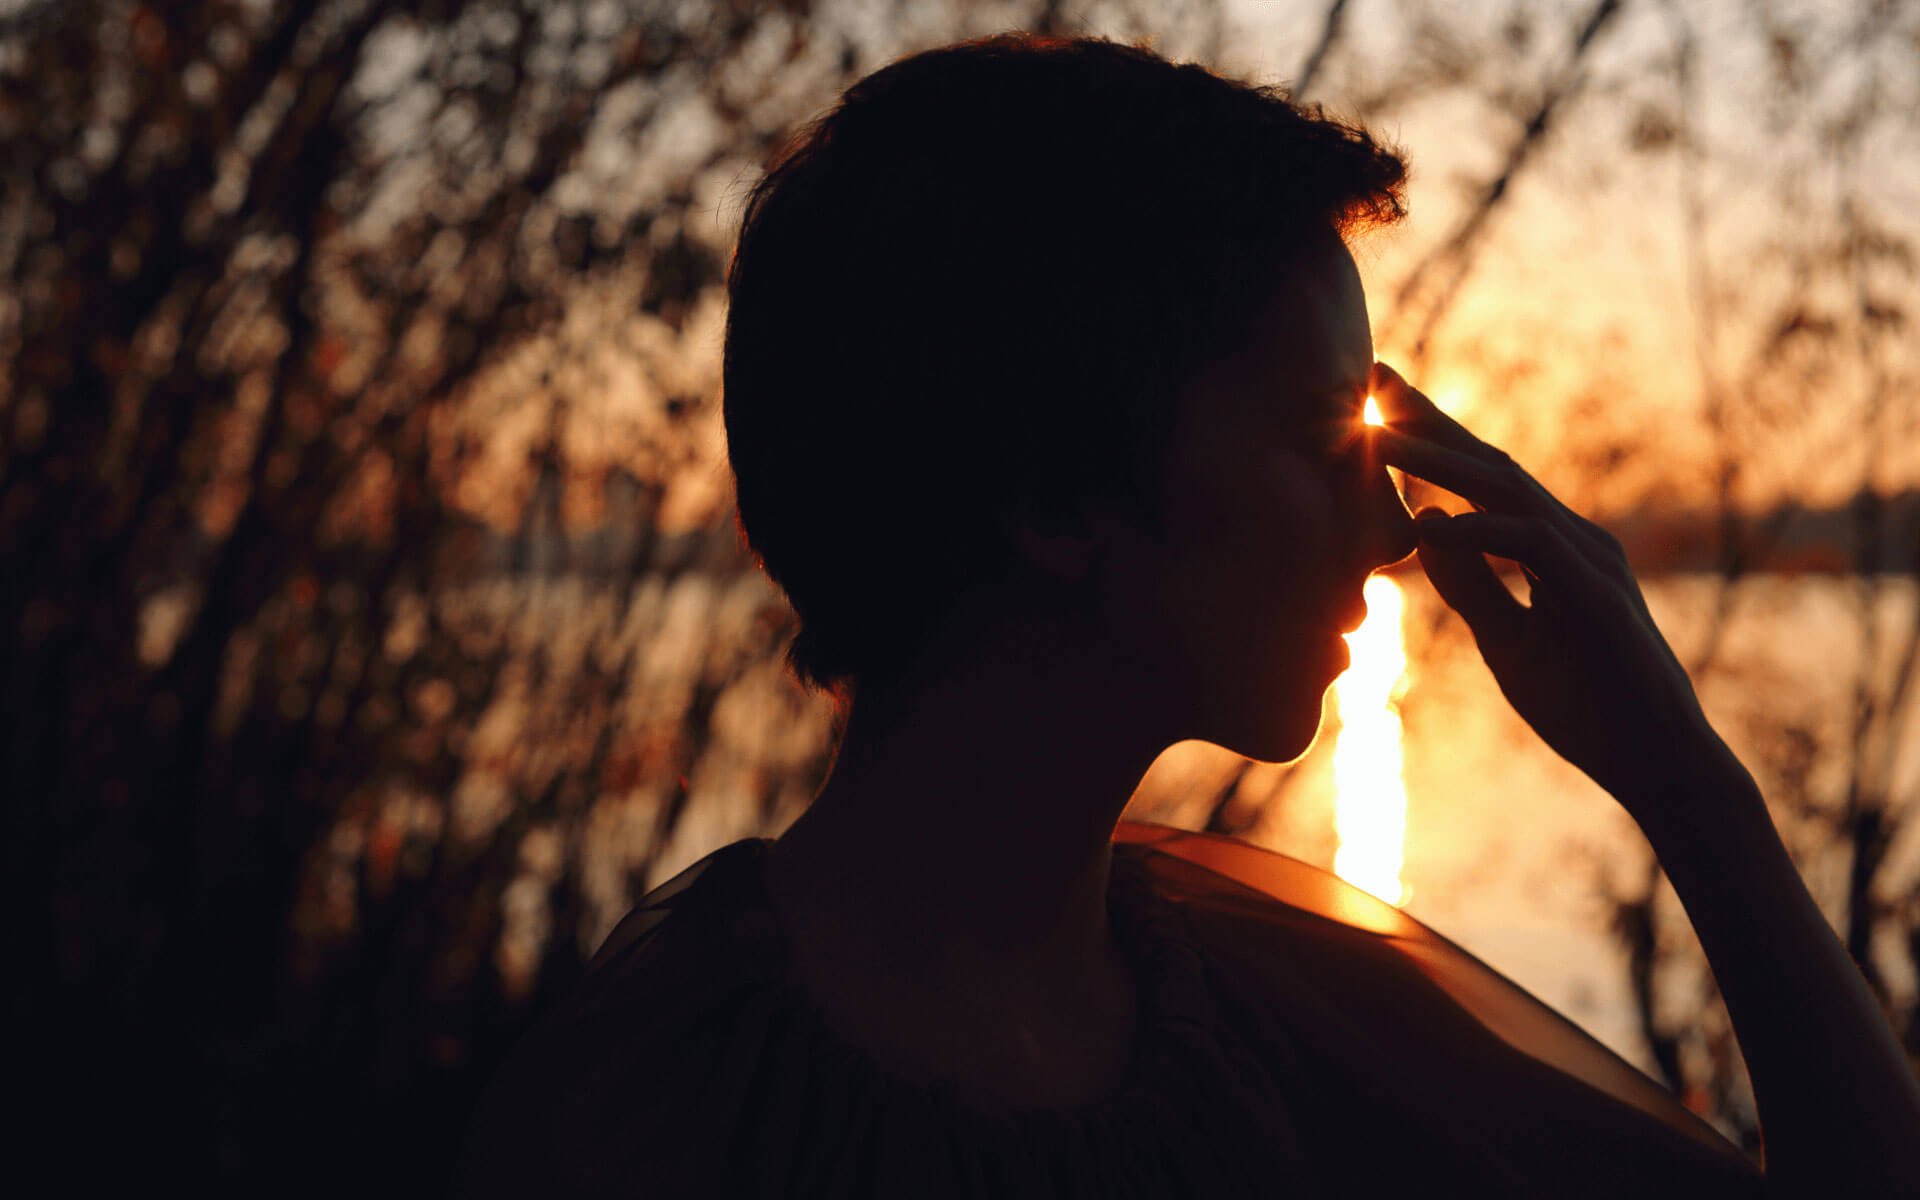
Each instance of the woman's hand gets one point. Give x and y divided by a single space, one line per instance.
1583 662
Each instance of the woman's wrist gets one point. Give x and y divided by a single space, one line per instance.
1689 796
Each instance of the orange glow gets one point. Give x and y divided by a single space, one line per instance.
1370 802
1372 414
1453 401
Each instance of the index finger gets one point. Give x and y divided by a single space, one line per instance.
1405 405
1493 483
1473 479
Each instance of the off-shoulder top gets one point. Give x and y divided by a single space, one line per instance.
1297 1038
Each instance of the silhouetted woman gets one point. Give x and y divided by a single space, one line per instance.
1043 377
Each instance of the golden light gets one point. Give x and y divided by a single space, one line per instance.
1370 802
1372 414
1451 400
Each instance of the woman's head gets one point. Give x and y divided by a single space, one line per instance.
969 297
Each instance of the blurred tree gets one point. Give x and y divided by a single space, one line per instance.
1804 381
1777 145
316 319
1828 345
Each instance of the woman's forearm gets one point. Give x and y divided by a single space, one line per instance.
1838 1102
1584 664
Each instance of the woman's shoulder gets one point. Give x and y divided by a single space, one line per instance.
1388 1025
587 1099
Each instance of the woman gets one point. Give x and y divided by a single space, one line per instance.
1043 377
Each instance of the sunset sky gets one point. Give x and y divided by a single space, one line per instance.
1579 312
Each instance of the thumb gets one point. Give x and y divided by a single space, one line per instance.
1466 581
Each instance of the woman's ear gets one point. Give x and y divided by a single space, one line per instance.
1061 545
1063 556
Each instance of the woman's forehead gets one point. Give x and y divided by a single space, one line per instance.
1314 327
1308 339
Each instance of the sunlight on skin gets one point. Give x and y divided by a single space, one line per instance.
1370 804
1371 416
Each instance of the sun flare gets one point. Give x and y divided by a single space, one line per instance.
1372 413
1370 801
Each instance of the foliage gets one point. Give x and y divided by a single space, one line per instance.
373 603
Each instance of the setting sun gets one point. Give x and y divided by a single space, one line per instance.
1372 414
1370 802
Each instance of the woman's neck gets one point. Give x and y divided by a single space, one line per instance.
966 827
945 897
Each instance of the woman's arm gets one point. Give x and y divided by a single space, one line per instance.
1839 1107
1584 664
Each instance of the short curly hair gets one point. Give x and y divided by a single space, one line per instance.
971 291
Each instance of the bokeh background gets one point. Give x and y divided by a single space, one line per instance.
373 624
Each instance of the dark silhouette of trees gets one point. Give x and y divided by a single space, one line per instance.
346 619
